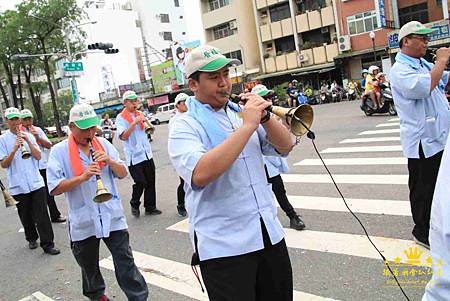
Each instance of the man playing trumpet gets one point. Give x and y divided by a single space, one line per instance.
138 154
217 147
72 171
43 143
19 154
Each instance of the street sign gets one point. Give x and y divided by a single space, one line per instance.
73 66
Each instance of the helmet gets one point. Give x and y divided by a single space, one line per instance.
372 69
295 81
364 71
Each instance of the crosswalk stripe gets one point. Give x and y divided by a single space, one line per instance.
37 296
375 132
364 140
394 119
370 206
354 161
381 125
346 179
179 278
363 149
343 243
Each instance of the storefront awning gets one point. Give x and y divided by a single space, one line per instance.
360 52
300 71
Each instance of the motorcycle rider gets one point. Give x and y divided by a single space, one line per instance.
324 91
364 73
292 92
372 87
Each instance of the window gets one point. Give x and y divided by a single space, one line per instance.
216 4
63 83
417 12
305 5
362 22
280 12
167 36
222 31
234 55
177 3
164 18
285 45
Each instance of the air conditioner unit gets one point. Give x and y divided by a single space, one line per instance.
324 29
303 58
233 25
344 43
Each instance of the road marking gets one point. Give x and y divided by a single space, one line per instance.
346 179
380 132
343 243
370 206
394 119
354 161
37 296
363 149
179 278
364 140
381 125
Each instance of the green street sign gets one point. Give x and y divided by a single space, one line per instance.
73 66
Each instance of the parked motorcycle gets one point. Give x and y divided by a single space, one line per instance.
336 95
386 97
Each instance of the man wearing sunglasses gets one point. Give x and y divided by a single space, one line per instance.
418 88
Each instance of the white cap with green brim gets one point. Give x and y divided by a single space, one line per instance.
12 112
261 90
83 116
181 97
129 95
413 27
25 113
206 58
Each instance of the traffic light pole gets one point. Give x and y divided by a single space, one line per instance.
73 81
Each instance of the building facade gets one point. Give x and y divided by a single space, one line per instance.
230 26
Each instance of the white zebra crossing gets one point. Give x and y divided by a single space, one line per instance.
354 161
179 278
346 179
363 149
375 132
37 296
394 119
342 243
365 140
381 125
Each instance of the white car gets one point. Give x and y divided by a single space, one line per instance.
163 114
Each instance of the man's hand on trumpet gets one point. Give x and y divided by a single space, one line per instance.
254 109
18 143
92 170
140 118
100 156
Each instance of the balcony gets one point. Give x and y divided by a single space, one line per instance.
281 63
332 51
227 44
276 30
218 16
270 65
266 34
275 27
309 57
327 16
286 27
314 19
272 2
261 4
292 61
302 23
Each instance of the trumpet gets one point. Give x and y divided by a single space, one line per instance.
299 119
148 126
102 194
433 54
9 200
25 153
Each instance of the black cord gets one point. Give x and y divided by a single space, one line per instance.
312 136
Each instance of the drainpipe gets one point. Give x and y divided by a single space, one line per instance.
395 12
258 30
294 25
336 19
445 9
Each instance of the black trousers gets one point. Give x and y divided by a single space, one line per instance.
143 175
264 275
32 209
422 181
54 212
180 194
130 280
280 193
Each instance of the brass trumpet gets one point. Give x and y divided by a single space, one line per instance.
299 119
25 153
9 200
148 127
102 194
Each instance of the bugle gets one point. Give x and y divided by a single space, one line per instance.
299 119
25 153
102 194
9 200
148 126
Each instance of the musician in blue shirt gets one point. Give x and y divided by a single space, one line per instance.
217 147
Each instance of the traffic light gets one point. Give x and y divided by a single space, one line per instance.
107 47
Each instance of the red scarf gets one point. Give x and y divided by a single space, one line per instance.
74 154
23 129
127 116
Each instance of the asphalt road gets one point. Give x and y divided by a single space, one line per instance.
331 260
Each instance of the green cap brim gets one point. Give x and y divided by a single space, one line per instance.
11 116
424 31
218 64
27 115
264 92
87 123
131 97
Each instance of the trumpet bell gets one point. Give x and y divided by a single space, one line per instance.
9 200
303 112
102 194
25 154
